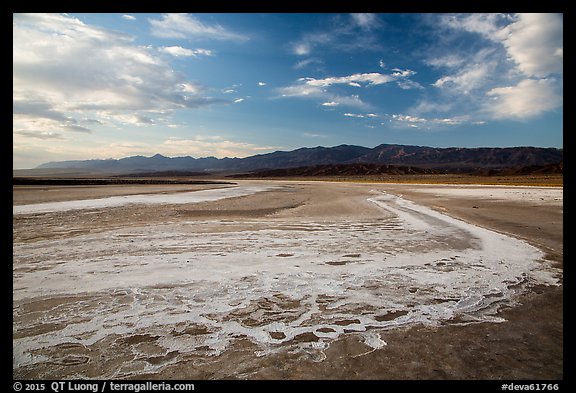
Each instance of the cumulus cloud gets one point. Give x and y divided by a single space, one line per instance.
97 73
180 51
535 43
527 99
188 26
520 75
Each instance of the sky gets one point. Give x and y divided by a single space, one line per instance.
98 86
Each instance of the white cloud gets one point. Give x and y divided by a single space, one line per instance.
381 64
187 26
529 98
467 78
97 73
188 87
352 101
487 25
409 85
40 134
128 17
313 135
426 106
238 100
368 79
365 20
216 146
518 74
447 61
305 46
399 73
361 116
180 51
535 43
400 120
409 119
319 88
301 90
344 34
306 62
373 78
301 48
134 119
317 92
261 83
330 103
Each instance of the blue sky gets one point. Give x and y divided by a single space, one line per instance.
114 85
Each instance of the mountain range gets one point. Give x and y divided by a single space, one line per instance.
452 159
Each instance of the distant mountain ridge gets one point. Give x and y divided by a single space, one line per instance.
452 159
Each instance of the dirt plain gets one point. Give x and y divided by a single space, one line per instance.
528 344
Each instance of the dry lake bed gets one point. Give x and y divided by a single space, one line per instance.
287 280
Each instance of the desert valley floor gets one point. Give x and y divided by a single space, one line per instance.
288 280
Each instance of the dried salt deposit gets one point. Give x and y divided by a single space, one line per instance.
195 287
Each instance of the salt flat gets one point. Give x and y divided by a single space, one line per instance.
147 199
324 262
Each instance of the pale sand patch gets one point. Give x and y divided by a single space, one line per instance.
139 199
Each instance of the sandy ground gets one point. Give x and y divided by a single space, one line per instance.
302 295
